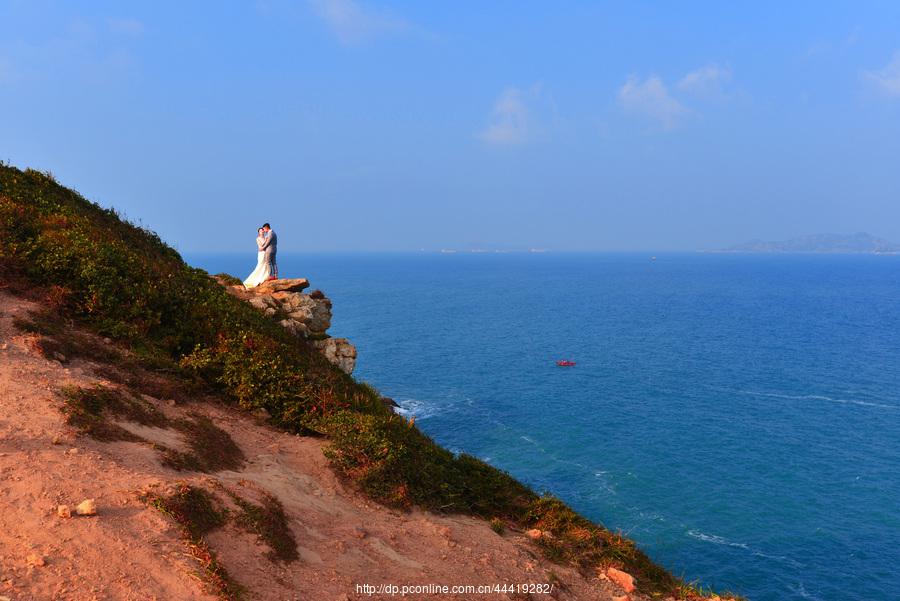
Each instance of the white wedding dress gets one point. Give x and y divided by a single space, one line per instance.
260 274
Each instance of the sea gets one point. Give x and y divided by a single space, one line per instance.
736 415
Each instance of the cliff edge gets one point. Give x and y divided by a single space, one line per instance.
307 316
165 437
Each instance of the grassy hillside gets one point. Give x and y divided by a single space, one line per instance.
123 282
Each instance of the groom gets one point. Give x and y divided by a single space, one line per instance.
271 248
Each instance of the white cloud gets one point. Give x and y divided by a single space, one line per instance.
705 80
510 120
352 23
887 79
826 47
651 98
126 26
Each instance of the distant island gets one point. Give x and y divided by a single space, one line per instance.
820 243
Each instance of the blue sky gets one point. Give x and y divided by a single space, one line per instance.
369 125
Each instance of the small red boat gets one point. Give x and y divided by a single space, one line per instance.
565 363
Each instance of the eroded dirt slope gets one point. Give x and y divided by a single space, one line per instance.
130 550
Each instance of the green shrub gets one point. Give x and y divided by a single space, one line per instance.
196 512
497 525
194 509
399 465
270 524
211 448
227 279
89 409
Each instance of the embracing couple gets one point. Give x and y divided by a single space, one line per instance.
266 268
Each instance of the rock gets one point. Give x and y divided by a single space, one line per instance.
107 341
314 313
35 560
360 532
622 598
534 534
86 507
338 351
295 327
623 579
259 303
72 451
321 316
290 300
389 403
59 357
287 285
302 315
63 511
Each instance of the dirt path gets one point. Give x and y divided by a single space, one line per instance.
132 552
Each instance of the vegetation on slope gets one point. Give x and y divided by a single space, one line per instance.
195 512
92 411
122 281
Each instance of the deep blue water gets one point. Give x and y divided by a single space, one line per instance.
738 416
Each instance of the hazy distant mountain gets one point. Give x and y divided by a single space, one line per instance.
820 243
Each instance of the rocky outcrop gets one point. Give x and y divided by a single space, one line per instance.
304 315
288 285
304 312
339 351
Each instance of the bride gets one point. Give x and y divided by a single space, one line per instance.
261 273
